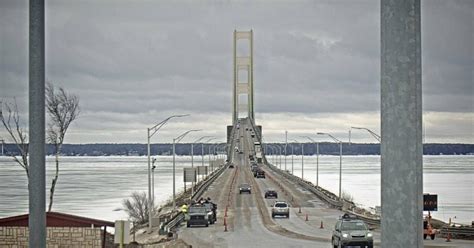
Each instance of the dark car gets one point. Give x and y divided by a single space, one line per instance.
259 173
231 165
197 216
350 231
271 193
245 187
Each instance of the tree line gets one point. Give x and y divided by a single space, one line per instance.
325 148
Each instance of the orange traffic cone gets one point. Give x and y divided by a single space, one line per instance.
225 224
448 237
322 226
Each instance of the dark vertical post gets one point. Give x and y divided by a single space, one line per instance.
235 93
36 183
401 116
105 236
251 114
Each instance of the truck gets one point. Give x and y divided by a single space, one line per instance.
428 229
258 151
197 216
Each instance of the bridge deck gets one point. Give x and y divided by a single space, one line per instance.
249 222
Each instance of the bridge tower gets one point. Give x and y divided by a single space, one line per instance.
243 77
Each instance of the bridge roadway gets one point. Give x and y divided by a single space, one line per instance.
249 222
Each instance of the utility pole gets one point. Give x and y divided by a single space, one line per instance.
37 170
401 124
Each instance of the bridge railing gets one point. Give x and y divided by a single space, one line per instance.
176 220
323 194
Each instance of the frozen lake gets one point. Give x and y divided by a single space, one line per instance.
451 177
96 186
92 186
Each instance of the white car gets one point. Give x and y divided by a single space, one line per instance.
281 208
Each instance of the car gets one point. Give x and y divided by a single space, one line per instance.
260 174
197 216
245 187
271 193
351 231
231 165
281 208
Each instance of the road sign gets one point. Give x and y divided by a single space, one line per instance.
430 202
202 170
189 175
122 232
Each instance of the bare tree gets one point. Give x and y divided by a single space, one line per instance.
11 122
137 207
63 109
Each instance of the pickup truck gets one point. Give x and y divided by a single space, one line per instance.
197 216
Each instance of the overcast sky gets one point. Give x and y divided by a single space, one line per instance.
316 66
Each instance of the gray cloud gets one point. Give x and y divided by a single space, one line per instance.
127 60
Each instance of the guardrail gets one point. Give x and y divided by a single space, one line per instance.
318 191
172 223
367 220
456 232
179 216
202 188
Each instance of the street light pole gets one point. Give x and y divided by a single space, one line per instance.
273 152
317 158
340 160
213 146
155 129
209 155
317 164
292 159
192 159
279 148
177 140
302 160
276 155
286 146
202 149
376 136
153 181
292 152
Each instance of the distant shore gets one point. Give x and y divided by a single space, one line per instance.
325 148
